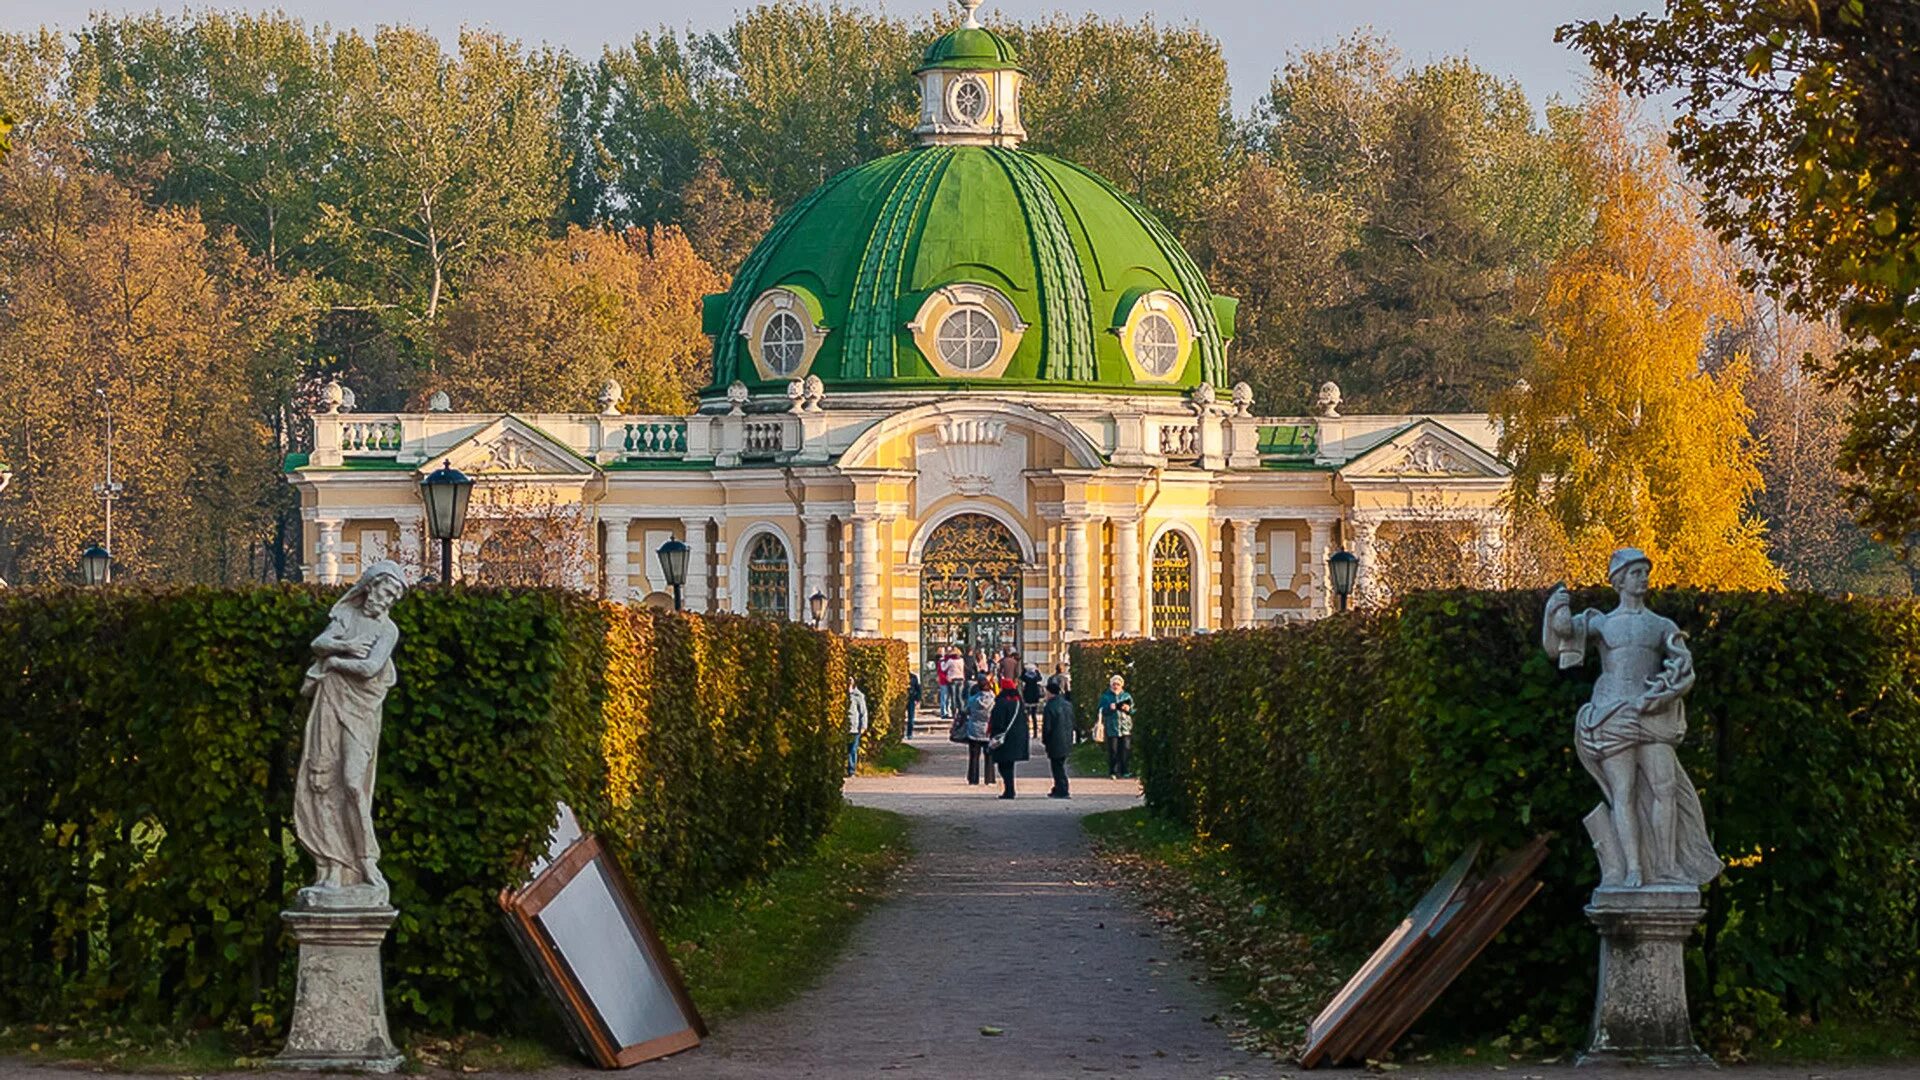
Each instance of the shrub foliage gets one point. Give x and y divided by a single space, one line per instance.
882 667
1346 760
148 742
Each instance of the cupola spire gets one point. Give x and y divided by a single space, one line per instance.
970 88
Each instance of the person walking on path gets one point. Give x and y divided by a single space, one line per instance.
1030 697
1116 715
856 723
1056 734
956 669
913 699
979 720
1008 669
1007 730
939 666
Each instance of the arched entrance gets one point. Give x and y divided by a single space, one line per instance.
969 586
1172 586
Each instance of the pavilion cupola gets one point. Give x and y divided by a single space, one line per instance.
970 88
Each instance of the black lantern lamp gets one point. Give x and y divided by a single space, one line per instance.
817 607
446 490
96 566
1343 567
673 563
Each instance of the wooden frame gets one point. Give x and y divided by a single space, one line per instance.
583 874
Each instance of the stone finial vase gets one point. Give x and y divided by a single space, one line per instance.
1640 1014
339 1001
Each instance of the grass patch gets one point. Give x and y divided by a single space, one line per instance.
125 1048
890 761
1278 970
758 946
1088 759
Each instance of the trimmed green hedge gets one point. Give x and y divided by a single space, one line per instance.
882 667
148 742
1346 760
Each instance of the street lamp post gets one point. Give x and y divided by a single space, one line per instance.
673 563
817 607
446 491
96 565
1343 567
108 490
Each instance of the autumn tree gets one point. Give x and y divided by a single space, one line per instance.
108 305
453 160
1799 123
545 329
721 222
1622 436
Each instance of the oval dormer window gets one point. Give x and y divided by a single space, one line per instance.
968 339
1157 344
783 343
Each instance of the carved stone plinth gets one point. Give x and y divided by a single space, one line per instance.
339 1002
1640 1014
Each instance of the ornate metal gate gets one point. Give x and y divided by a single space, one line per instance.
1172 586
969 586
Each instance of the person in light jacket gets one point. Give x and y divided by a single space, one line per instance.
1056 734
979 718
1116 715
1007 727
856 723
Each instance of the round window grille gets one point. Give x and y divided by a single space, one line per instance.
783 343
970 101
1155 344
968 339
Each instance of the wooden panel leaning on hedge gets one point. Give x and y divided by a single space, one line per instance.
147 748
1346 760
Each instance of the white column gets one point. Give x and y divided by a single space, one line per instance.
619 553
1366 586
1245 532
1319 546
1489 547
694 596
813 565
1126 581
406 547
1075 580
326 549
866 576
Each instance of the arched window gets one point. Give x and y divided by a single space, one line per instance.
1156 344
1172 586
968 339
783 344
767 576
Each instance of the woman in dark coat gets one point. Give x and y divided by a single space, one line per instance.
1008 727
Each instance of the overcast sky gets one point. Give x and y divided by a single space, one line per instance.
1512 37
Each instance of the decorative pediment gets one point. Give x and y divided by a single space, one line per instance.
511 447
1425 450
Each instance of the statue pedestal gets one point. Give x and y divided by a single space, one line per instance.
1640 1014
339 1002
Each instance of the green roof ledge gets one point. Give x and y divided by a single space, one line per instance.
969 206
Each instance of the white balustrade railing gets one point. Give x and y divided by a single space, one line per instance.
369 438
764 438
1180 440
655 439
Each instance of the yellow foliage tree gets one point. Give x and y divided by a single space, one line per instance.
546 329
1620 435
109 305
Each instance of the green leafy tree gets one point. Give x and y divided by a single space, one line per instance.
453 159
1799 122
636 126
1144 105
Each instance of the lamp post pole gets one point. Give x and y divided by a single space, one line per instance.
107 490
446 491
1343 567
673 563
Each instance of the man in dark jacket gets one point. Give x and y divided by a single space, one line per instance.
913 699
1007 733
1056 734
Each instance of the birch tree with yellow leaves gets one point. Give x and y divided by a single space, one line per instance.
1621 435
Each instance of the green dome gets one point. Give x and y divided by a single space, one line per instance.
866 250
975 48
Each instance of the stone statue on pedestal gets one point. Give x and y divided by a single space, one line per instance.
1648 832
339 1010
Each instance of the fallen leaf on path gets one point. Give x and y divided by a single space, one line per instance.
991 1030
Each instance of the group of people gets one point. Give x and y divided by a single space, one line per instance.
997 707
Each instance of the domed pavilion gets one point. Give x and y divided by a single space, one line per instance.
966 394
